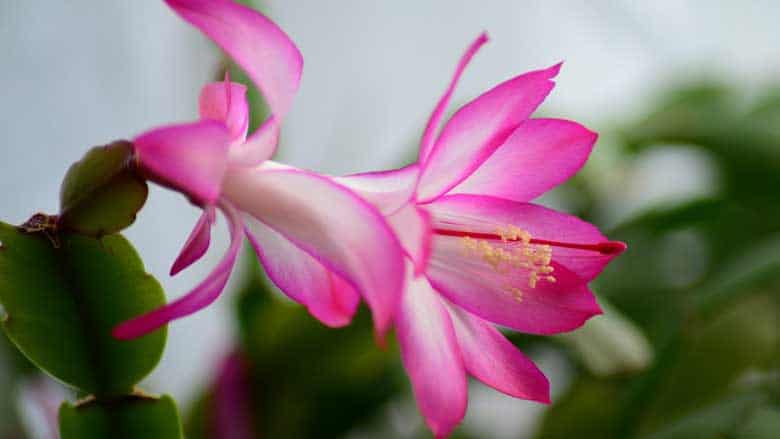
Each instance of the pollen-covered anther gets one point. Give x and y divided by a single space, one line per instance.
517 293
514 252
513 233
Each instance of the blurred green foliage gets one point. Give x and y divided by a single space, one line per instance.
702 279
306 380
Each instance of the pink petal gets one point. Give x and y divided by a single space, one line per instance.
539 155
260 145
505 298
263 50
197 243
226 102
432 128
487 214
190 158
304 279
201 296
430 354
387 190
412 225
490 357
505 294
329 222
254 42
476 130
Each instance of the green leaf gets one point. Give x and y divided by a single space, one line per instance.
714 357
749 273
131 417
101 193
713 422
589 409
311 381
763 424
743 143
61 304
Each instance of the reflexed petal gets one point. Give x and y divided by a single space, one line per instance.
197 243
387 190
265 53
332 224
201 296
190 157
432 358
254 42
492 359
487 214
432 128
226 103
329 298
539 155
476 130
412 225
260 145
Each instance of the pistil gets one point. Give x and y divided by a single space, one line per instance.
512 248
604 247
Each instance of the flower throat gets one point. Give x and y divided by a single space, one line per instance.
530 254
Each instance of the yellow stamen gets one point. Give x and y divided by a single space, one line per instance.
534 258
517 293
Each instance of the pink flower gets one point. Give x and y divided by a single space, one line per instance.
322 244
478 253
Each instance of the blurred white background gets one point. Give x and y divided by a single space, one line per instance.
82 73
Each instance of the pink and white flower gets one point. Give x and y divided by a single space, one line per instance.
322 244
478 252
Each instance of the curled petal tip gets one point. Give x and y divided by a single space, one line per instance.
430 134
253 41
595 310
198 298
177 267
328 297
543 396
129 331
198 242
612 247
591 134
440 431
380 338
120 333
381 327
